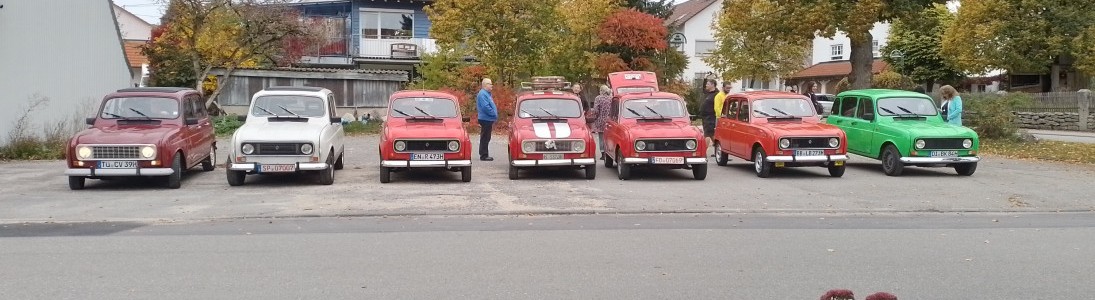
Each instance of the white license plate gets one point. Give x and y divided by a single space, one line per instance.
944 154
809 152
427 156
277 168
667 160
553 156
118 164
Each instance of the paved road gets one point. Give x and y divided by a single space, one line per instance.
679 256
37 191
1064 136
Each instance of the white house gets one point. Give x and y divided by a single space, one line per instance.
86 61
693 20
135 33
830 60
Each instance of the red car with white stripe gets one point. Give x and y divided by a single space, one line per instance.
549 129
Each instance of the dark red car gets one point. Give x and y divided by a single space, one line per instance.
143 132
550 130
424 130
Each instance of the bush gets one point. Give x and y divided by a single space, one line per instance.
892 80
993 115
23 144
226 125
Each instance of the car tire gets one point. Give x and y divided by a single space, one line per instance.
966 169
174 180
608 160
327 176
760 166
699 171
836 171
891 161
591 172
207 164
623 170
76 183
465 174
339 165
721 158
385 175
235 178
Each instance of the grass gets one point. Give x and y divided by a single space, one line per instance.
1040 150
358 128
50 143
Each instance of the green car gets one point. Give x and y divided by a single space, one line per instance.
903 128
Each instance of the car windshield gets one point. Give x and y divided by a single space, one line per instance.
288 106
906 106
140 108
553 108
654 108
793 107
423 107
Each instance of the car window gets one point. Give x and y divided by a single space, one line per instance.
669 108
910 105
288 105
743 110
614 113
731 108
866 109
847 106
563 108
199 107
331 106
797 107
423 106
140 108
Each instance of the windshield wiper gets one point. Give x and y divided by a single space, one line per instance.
267 111
530 114
116 116
907 111
635 112
785 114
549 113
655 112
289 111
763 113
401 112
424 112
140 113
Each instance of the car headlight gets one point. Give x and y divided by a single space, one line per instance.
400 145
967 143
833 142
690 144
528 146
248 149
920 144
306 149
640 145
579 146
148 151
454 145
784 143
84 152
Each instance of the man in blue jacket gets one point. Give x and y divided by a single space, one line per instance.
488 114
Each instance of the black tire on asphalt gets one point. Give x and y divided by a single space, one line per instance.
623 170
891 161
207 164
760 166
966 169
327 176
836 171
608 160
699 171
591 171
76 183
465 174
339 165
721 158
174 180
385 175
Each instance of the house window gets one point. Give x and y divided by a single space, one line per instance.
874 48
704 48
387 24
837 52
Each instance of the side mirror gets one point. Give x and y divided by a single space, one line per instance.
336 120
90 121
191 121
465 119
242 118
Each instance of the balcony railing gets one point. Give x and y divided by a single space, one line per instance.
397 48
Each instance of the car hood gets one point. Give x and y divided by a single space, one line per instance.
126 134
552 130
933 129
662 130
279 131
426 130
804 129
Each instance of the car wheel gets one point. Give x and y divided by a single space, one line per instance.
207 164
235 178
836 171
465 174
591 172
339 165
608 160
891 161
966 169
760 165
385 175
174 180
76 182
622 169
327 176
699 171
721 158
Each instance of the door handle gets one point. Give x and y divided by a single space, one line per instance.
855 123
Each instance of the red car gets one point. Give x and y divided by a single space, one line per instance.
550 130
143 132
775 130
649 128
424 130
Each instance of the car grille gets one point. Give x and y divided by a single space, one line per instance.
947 143
278 149
427 145
665 145
808 143
116 152
554 146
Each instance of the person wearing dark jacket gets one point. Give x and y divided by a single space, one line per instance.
811 92
707 110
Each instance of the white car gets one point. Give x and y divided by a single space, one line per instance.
288 130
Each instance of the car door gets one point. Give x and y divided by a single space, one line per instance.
334 133
205 133
725 123
613 131
739 142
864 125
843 115
190 132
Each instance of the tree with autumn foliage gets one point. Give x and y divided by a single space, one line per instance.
572 53
752 54
632 40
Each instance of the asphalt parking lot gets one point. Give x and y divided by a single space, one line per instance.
37 191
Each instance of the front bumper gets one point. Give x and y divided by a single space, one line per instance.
425 163
812 158
554 162
88 172
300 166
647 161
940 160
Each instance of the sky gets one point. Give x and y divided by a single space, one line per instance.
149 10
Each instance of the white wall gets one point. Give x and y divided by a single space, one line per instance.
823 46
80 62
132 27
699 30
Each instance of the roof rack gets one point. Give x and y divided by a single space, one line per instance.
294 88
546 83
154 90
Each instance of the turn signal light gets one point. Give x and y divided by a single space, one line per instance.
155 163
315 158
79 163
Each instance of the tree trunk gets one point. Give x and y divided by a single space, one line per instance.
862 59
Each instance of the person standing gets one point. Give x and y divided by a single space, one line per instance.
720 98
951 106
707 110
811 92
488 114
601 109
577 89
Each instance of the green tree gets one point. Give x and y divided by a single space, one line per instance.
918 39
572 54
743 52
658 8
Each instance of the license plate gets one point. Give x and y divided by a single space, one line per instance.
427 156
277 168
667 160
809 152
118 164
944 154
549 156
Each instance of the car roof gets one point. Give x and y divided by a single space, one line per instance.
630 96
540 94
422 93
170 90
882 93
765 94
295 88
